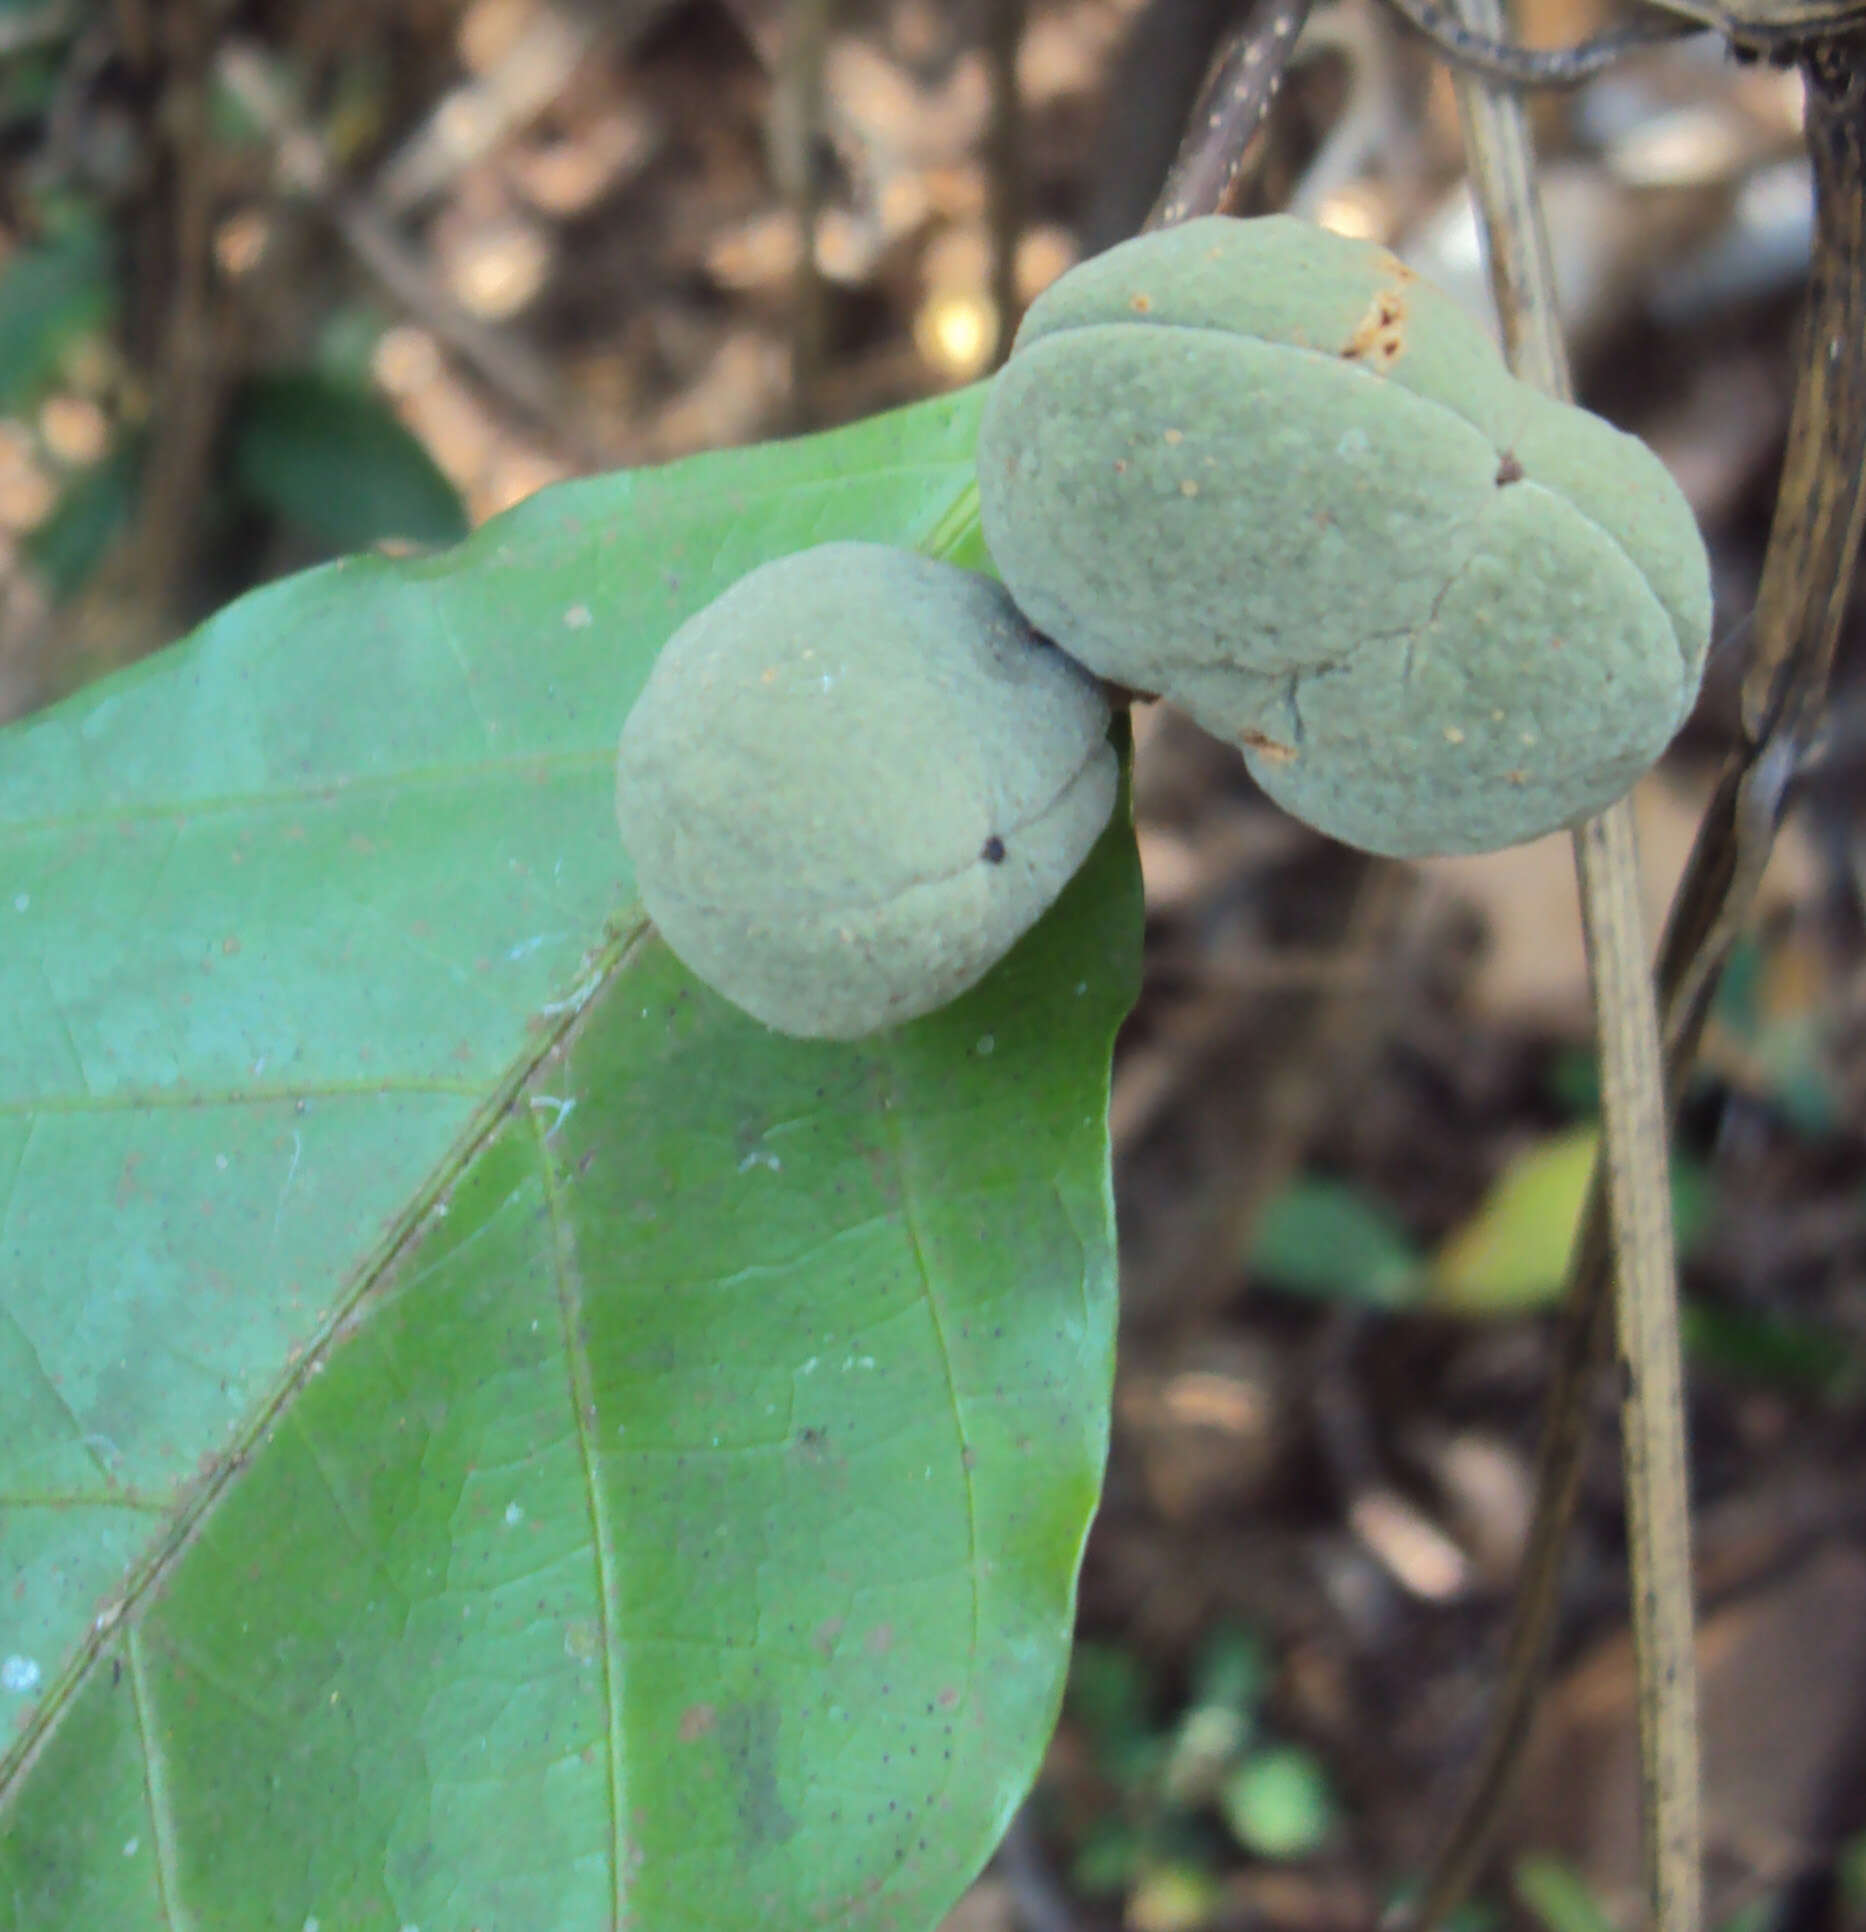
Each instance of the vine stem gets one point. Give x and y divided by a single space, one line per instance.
1636 1189
1814 544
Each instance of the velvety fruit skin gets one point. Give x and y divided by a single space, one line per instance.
1268 473
853 782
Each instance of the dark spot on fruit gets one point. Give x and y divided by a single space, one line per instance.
1508 471
993 852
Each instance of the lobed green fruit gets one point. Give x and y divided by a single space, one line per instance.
853 781
1268 473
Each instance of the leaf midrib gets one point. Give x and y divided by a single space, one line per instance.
488 1121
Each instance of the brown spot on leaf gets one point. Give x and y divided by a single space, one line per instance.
695 1721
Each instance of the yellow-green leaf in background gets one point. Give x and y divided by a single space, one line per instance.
1512 1254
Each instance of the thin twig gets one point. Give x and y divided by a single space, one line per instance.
1512 65
796 160
1209 169
1637 1195
1005 163
1807 575
158 553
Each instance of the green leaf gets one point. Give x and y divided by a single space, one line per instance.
1278 1803
1558 1896
1329 1238
336 463
51 293
489 1436
1512 1254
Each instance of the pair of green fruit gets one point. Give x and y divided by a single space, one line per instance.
1252 467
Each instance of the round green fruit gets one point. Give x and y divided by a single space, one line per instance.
851 784
1267 473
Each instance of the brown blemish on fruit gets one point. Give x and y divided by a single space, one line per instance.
1278 754
1509 470
1140 304
1379 339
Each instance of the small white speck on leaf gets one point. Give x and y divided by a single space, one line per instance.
987 1045
578 618
21 900
19 1675
131 1846
514 1515
761 1157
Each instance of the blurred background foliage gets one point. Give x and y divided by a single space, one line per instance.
285 278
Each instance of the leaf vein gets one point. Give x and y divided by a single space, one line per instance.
155 1789
602 1532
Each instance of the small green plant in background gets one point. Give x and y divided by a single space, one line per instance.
1188 1791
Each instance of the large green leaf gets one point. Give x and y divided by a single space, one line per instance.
490 1437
